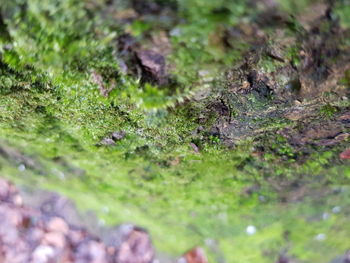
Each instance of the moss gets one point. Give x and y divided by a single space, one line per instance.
295 7
342 11
53 118
328 110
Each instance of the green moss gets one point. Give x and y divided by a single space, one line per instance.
328 110
295 7
53 118
342 10
293 55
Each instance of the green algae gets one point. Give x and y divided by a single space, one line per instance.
54 117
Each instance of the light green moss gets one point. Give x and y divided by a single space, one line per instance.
52 113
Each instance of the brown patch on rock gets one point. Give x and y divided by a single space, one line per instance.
153 67
312 14
321 134
324 60
146 61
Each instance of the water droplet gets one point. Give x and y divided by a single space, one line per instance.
251 230
320 237
61 175
336 209
325 216
21 167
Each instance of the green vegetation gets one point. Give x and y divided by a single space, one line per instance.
53 118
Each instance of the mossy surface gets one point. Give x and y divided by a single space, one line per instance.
186 187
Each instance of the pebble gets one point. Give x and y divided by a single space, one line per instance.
49 238
119 135
325 216
57 224
43 254
107 141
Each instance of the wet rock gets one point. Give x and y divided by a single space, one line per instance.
147 60
112 138
118 135
153 67
107 142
